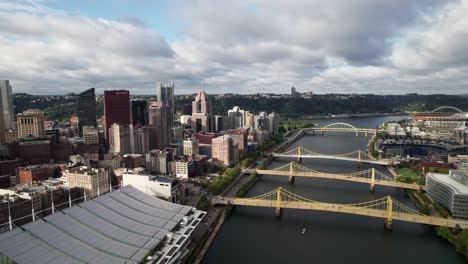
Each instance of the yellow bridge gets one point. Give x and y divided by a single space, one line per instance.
370 176
386 208
356 156
342 127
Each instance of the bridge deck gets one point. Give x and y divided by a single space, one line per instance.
343 177
422 219
331 157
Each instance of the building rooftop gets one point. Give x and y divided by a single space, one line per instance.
122 226
448 180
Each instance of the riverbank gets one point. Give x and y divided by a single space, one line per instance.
357 115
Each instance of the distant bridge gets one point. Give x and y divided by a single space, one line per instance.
370 176
386 208
447 107
356 156
342 127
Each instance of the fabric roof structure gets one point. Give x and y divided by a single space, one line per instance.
122 226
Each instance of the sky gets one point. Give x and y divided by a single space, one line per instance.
246 47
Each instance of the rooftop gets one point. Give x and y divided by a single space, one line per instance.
122 226
457 186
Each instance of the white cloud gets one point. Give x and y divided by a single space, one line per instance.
357 46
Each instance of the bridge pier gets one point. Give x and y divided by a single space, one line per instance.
372 188
388 224
278 212
291 179
323 133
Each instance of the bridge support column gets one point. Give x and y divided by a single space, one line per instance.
323 133
299 155
388 221
372 185
291 173
279 210
357 133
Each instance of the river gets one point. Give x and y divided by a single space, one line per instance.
255 235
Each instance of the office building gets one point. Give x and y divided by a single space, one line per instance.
166 95
139 139
237 117
86 109
159 186
94 181
158 118
34 173
7 119
191 147
116 108
30 123
185 168
90 135
139 112
222 149
449 190
201 113
157 161
119 139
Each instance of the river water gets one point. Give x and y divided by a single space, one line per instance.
255 235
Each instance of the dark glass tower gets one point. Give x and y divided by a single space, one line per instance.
86 109
139 112
116 108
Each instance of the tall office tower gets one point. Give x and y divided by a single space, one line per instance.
158 112
201 113
86 109
6 103
119 139
222 149
30 123
139 139
238 117
116 108
166 95
139 112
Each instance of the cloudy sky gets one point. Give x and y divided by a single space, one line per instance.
333 46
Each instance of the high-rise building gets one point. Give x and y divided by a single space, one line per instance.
139 139
119 139
166 96
222 149
116 108
86 109
139 112
30 123
239 137
238 117
158 118
90 135
191 146
94 181
201 113
7 118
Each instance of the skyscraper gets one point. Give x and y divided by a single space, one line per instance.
86 109
201 113
166 95
139 112
158 112
116 108
6 105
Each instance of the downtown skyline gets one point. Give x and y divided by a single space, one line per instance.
397 47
